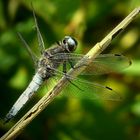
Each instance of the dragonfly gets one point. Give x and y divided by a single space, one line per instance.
62 54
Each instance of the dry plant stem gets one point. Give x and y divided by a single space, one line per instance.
42 104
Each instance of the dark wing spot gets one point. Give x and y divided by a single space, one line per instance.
108 88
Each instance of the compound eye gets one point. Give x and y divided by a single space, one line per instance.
72 43
64 41
69 43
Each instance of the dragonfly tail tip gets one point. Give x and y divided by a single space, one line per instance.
7 118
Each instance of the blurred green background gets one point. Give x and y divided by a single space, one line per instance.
88 21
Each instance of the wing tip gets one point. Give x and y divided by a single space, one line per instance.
117 96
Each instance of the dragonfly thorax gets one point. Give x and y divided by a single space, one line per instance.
69 44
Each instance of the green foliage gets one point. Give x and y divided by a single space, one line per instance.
88 21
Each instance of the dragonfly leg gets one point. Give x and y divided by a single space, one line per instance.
64 67
75 67
65 72
82 65
74 84
71 64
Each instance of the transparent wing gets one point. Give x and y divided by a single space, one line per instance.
88 90
39 36
102 64
107 63
67 56
31 53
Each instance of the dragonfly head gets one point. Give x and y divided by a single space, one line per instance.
69 44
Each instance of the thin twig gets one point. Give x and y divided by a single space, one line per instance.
44 101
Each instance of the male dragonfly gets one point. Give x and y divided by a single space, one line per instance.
61 53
